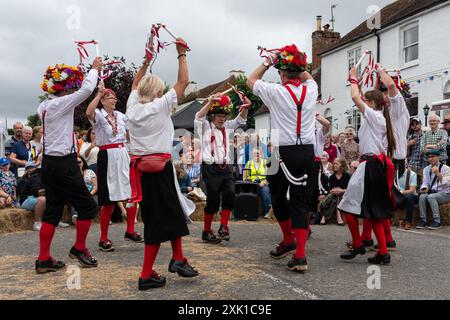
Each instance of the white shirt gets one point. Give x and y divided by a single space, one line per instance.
372 135
150 125
203 129
400 123
59 138
319 146
92 159
283 110
103 130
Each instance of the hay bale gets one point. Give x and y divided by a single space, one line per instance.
199 212
13 220
444 211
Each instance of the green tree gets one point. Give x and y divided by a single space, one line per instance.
34 120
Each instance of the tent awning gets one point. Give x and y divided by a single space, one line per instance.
441 105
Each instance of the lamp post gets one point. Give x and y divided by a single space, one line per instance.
426 112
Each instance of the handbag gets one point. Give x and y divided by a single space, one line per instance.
154 163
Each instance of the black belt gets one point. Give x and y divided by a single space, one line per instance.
61 158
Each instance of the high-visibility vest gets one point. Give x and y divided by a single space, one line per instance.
257 173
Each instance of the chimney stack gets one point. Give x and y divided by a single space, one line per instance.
319 23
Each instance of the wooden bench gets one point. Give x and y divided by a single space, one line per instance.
444 211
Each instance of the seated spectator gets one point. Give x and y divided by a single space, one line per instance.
338 184
90 179
7 185
89 151
183 179
256 171
408 187
32 193
192 169
353 166
350 149
435 189
331 149
21 152
327 167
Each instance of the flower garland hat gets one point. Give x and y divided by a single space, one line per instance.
290 58
222 106
62 78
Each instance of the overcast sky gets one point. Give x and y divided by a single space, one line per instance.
223 35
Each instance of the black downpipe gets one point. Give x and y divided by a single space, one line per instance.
378 46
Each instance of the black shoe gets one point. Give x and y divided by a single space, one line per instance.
210 237
84 258
224 233
351 254
135 237
297 264
183 268
421 225
106 246
435 226
155 281
379 259
282 250
48 266
391 246
368 243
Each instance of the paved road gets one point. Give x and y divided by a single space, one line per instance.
240 269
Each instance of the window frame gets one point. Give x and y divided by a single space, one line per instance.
404 47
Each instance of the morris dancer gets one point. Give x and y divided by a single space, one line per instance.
395 101
60 172
113 164
216 170
369 193
292 107
163 206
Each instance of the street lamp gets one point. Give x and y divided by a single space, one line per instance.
426 112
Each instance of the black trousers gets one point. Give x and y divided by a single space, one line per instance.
65 184
300 161
219 186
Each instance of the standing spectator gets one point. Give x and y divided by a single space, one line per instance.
408 187
7 184
192 169
335 139
350 149
447 128
341 141
416 159
436 139
338 184
17 136
327 166
32 194
21 152
89 151
36 145
331 149
435 189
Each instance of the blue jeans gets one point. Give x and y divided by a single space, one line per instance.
412 199
434 200
267 201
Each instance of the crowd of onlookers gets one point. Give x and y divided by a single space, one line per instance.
426 180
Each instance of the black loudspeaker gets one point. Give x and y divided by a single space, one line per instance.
246 201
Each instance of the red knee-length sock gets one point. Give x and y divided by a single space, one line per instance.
208 222
105 218
83 227
177 249
151 251
131 218
225 217
286 228
381 238
353 226
45 240
301 236
387 230
367 231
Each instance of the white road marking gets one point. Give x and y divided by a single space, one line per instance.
298 290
